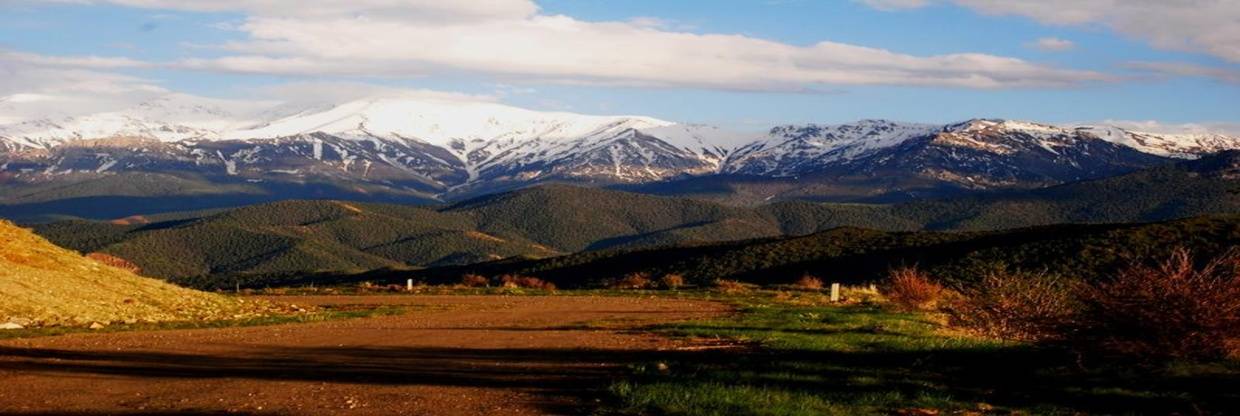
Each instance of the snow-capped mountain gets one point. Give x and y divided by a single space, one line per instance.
446 148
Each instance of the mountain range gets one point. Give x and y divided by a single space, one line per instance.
181 152
296 239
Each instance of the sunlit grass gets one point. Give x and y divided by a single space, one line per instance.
801 356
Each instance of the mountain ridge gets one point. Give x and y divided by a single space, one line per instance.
449 149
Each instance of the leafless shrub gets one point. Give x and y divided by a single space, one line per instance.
912 289
730 286
512 281
473 280
635 280
1170 310
114 261
1020 306
671 281
808 282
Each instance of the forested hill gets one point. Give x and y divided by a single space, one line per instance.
546 221
854 255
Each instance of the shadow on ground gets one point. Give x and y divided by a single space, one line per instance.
1006 377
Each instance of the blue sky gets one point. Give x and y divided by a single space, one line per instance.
895 59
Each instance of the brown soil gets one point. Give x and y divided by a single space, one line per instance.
451 355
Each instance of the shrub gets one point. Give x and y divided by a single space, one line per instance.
912 289
672 281
632 281
1019 306
114 261
1171 310
730 286
473 280
513 281
808 282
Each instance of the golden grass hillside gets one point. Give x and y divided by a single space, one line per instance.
46 285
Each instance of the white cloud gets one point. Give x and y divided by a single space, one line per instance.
326 92
1184 69
511 39
1205 26
895 4
1154 126
36 86
1052 44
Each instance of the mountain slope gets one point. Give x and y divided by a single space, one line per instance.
51 286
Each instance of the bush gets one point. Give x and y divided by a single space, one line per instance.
1019 306
114 261
473 280
632 281
512 281
912 289
672 281
808 282
730 286
1170 310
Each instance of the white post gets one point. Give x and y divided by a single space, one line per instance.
835 292
409 285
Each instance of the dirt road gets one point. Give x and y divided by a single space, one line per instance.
452 355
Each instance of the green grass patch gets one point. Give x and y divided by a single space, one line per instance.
799 358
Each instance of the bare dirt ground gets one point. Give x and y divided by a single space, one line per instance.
451 355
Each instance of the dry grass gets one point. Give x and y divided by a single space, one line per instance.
51 286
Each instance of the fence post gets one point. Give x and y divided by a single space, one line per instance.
835 292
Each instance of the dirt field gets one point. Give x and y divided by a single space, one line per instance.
453 355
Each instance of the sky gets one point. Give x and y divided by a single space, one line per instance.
1162 65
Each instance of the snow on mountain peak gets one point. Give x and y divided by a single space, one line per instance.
440 122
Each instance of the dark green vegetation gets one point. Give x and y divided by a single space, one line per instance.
133 193
854 254
806 359
303 241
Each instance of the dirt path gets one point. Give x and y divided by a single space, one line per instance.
454 355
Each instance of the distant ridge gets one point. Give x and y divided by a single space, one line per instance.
407 148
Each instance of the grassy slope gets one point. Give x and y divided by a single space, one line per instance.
862 360
52 285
